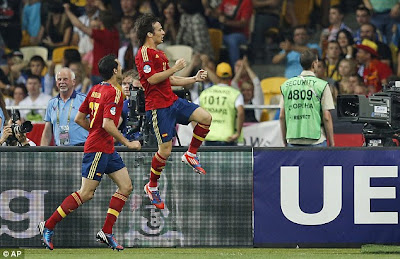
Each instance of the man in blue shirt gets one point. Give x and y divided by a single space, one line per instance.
61 112
291 51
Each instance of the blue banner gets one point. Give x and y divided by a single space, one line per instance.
326 196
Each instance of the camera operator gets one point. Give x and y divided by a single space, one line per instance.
130 121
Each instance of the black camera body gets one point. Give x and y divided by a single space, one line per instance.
137 124
17 129
380 113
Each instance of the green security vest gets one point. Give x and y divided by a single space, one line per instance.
302 98
220 102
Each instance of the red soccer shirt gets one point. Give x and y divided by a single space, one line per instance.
104 42
149 62
245 11
375 72
102 101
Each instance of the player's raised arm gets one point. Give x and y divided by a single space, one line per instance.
109 126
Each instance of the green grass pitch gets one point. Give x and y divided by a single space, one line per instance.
371 251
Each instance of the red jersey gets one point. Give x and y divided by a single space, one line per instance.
103 101
149 62
245 11
375 72
104 42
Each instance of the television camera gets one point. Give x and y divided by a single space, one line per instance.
138 128
380 114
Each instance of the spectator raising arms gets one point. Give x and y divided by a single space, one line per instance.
106 39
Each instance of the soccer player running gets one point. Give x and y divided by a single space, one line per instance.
104 104
163 107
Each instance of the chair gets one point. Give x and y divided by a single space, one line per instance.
216 38
175 52
31 51
58 53
272 94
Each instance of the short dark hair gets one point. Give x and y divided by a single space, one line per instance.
34 77
307 58
143 25
107 19
337 7
107 65
362 7
38 58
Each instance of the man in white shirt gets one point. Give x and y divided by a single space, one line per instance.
35 98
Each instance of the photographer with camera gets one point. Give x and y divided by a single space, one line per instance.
14 133
61 112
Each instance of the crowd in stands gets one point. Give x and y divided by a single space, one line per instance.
357 58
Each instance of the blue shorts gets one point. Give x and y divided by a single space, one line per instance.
164 120
95 164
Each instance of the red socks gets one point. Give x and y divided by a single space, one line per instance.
157 165
199 133
71 203
117 202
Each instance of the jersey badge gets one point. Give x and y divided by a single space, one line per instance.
157 56
147 69
113 110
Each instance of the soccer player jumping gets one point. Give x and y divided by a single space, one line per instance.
163 107
104 104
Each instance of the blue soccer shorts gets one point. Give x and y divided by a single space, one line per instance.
164 120
95 164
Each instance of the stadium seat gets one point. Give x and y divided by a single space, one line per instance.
80 3
29 52
272 94
216 38
58 53
175 52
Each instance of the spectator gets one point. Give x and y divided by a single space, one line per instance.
20 93
79 38
125 29
126 54
3 113
57 32
380 11
70 56
31 22
10 74
193 30
320 71
234 16
333 54
248 83
291 51
228 115
363 16
37 66
35 98
61 112
82 81
368 31
106 39
10 23
373 71
129 8
267 15
346 43
310 123
170 21
336 16
347 67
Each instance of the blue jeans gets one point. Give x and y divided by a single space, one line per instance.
233 41
384 23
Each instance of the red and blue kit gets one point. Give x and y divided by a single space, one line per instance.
149 62
103 101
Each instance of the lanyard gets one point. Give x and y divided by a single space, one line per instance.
69 112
